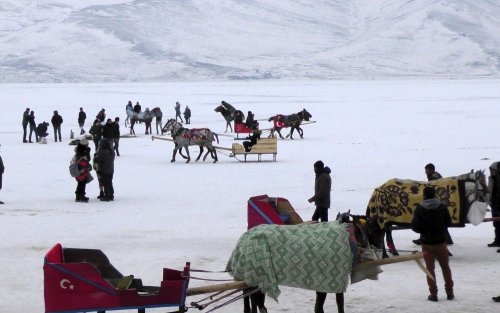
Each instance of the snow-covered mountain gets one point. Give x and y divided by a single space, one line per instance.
167 40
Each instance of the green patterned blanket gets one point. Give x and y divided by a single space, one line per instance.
315 257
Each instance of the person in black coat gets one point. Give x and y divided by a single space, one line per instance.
41 130
250 121
254 138
31 121
430 220
116 135
82 116
25 123
56 121
187 115
105 158
495 202
108 131
96 132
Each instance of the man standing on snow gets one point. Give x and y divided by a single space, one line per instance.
25 124
178 111
321 198
322 188
82 116
430 220
56 121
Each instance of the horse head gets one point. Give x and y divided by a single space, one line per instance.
304 115
171 125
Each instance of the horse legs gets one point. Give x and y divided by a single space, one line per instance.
279 132
301 132
230 127
340 302
199 155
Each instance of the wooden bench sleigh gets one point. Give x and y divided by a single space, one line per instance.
84 280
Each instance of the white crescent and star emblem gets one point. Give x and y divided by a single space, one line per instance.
66 284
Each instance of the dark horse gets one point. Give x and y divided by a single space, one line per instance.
229 113
184 137
283 121
394 202
146 116
365 233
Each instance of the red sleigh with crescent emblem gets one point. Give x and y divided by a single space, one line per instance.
83 280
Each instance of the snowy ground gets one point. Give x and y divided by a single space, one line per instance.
168 213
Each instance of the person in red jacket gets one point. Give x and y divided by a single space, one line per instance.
82 156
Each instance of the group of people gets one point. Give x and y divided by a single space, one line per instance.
103 165
431 220
40 130
109 131
187 113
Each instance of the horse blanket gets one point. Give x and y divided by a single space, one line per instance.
314 257
395 201
197 134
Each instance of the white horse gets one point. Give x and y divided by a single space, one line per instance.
184 137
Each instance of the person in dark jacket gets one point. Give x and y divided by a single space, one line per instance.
430 172
430 220
321 198
116 135
254 138
494 186
105 159
82 116
57 121
31 121
250 121
137 108
108 131
101 116
187 115
82 156
2 169
25 123
322 188
178 111
41 130
96 132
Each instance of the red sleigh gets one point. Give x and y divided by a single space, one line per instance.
83 280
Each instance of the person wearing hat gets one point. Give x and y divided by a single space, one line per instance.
82 157
494 201
82 116
178 111
2 169
56 121
25 124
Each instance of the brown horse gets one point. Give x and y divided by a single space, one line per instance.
228 112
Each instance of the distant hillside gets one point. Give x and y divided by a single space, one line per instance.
166 40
